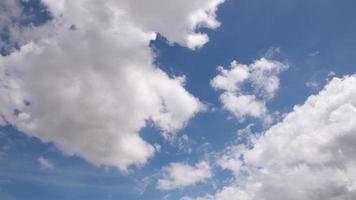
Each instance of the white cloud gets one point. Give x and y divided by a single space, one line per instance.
261 76
179 175
315 53
13 27
45 163
10 13
91 89
226 193
243 105
308 155
312 84
183 144
175 20
232 158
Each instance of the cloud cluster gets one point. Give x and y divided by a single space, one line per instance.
247 88
91 85
308 155
179 175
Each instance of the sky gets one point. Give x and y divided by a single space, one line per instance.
177 100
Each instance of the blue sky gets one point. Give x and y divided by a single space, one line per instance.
315 39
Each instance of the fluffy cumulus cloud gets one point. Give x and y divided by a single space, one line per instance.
310 154
175 20
247 88
89 86
178 175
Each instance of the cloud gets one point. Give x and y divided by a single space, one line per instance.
226 193
45 163
179 175
15 29
184 144
262 78
175 20
231 159
312 84
308 155
92 88
10 13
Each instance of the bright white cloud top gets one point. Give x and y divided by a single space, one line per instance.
179 175
91 85
261 76
308 155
